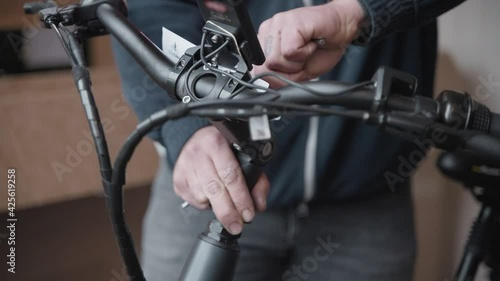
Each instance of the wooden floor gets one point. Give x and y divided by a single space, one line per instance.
71 241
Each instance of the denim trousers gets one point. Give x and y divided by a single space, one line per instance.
365 240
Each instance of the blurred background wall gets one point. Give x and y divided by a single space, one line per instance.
63 231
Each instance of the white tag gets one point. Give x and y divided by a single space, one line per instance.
173 45
259 128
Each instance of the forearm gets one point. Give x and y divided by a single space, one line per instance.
384 17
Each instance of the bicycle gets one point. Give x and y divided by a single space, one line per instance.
241 113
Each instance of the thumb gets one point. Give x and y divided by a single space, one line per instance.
294 48
260 192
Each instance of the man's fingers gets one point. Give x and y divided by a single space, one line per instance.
219 198
185 189
207 172
321 61
275 61
232 177
296 47
260 192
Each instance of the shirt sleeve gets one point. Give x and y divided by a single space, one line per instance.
384 17
144 95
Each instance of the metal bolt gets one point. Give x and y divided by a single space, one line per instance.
215 39
186 99
267 149
237 147
183 62
214 61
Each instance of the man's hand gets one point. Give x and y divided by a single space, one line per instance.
207 173
288 39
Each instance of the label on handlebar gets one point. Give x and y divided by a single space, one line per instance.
173 45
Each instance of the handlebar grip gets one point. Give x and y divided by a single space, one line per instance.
480 119
483 120
251 171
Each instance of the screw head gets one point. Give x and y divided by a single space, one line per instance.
214 61
237 147
267 149
186 99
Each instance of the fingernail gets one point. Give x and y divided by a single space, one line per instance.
247 215
235 228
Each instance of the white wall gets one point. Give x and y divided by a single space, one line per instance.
469 60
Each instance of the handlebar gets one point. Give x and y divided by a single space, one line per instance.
145 52
461 112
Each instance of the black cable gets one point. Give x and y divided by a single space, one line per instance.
181 109
64 43
114 201
304 87
281 106
81 76
75 49
312 91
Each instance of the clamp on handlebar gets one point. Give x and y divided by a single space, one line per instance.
389 81
194 78
83 15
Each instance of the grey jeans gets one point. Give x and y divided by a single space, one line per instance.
367 240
